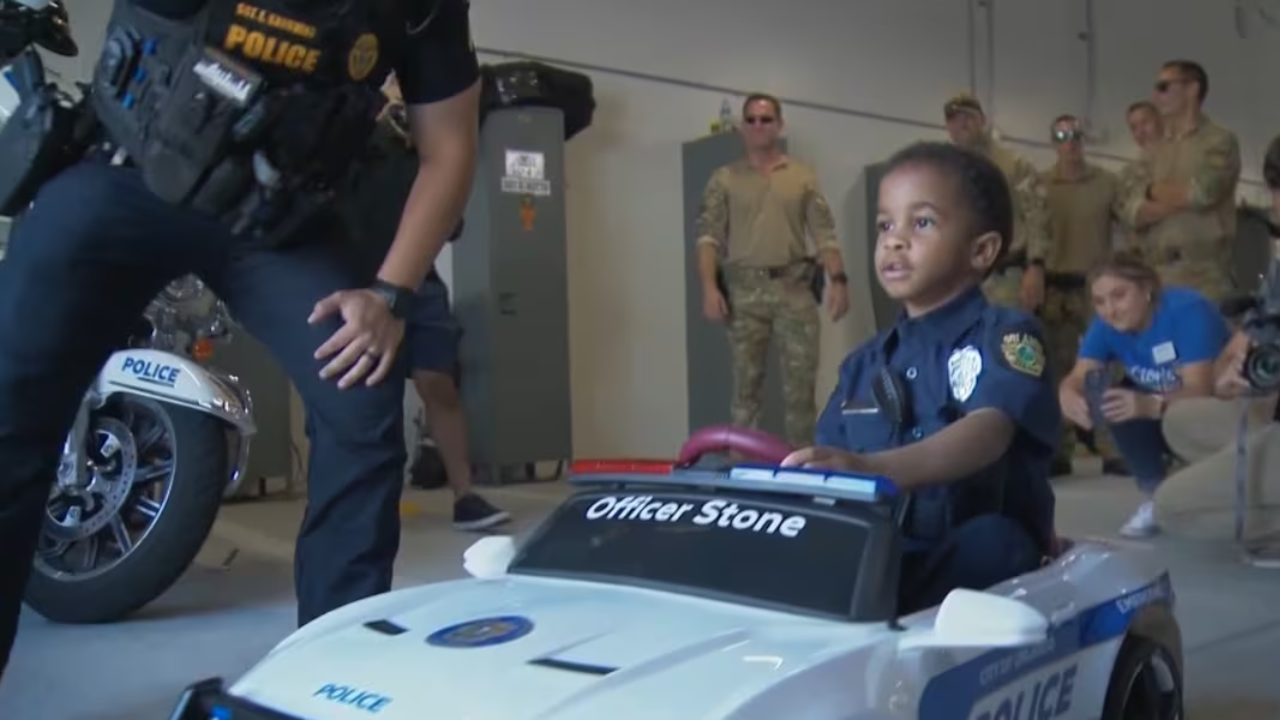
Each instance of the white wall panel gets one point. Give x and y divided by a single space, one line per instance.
894 57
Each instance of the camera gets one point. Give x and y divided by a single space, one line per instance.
1260 322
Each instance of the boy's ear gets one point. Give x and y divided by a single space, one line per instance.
986 250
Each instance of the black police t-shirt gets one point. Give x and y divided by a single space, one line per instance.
439 59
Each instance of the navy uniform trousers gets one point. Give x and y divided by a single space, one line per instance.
85 261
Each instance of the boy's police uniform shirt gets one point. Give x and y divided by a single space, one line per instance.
963 357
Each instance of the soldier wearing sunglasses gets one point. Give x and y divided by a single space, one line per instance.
758 268
1183 197
1083 201
1017 280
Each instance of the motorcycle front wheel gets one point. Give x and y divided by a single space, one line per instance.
156 478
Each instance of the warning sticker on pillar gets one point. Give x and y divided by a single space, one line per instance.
526 174
528 212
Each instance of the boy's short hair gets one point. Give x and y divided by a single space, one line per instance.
982 185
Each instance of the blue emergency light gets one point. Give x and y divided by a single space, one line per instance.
873 487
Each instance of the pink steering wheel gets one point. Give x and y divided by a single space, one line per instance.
753 444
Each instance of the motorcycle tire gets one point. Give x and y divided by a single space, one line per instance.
200 476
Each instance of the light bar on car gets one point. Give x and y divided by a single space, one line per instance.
628 467
873 487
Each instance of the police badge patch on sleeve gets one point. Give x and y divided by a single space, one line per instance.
963 368
1024 353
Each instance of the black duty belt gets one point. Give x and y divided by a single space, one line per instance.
776 272
1065 281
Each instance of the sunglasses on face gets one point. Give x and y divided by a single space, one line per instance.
759 120
1066 136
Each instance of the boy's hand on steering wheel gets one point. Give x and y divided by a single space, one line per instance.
824 458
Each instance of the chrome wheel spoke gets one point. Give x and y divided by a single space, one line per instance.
120 534
147 508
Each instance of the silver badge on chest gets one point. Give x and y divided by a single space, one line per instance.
963 368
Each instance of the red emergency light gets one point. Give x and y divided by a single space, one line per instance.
627 467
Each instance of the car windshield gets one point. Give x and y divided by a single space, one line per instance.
782 552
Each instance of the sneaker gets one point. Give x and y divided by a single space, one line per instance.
1143 522
472 512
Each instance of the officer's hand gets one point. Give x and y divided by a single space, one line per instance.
1032 288
365 346
714 306
1119 405
837 300
1075 408
824 458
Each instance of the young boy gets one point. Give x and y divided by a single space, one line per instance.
952 403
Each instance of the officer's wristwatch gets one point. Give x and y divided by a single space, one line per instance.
397 298
839 278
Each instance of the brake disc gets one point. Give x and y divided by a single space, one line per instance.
114 465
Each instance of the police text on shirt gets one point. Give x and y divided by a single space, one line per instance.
712 513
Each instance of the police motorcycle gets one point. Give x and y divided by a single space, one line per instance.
160 438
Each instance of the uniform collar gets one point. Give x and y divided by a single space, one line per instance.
945 324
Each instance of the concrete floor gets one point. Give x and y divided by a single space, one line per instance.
222 617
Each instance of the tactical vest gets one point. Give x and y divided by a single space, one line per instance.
249 111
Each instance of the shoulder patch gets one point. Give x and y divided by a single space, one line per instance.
1023 352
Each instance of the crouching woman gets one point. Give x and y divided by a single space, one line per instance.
1166 341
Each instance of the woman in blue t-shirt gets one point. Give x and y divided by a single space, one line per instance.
1166 341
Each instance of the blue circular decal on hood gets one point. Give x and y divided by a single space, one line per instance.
482 633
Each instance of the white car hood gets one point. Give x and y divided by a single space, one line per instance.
638 653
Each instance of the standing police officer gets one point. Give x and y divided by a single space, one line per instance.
224 126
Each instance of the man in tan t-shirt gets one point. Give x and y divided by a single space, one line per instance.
1185 198
752 228
1082 201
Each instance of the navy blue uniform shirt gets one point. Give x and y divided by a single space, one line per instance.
963 357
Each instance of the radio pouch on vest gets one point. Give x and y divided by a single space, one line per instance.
38 141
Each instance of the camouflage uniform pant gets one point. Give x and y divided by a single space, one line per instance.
1065 314
1004 288
763 309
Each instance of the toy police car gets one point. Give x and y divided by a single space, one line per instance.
752 593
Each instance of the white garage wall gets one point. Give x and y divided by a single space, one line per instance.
860 78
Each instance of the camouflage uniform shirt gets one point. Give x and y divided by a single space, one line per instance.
760 219
1207 161
1031 215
